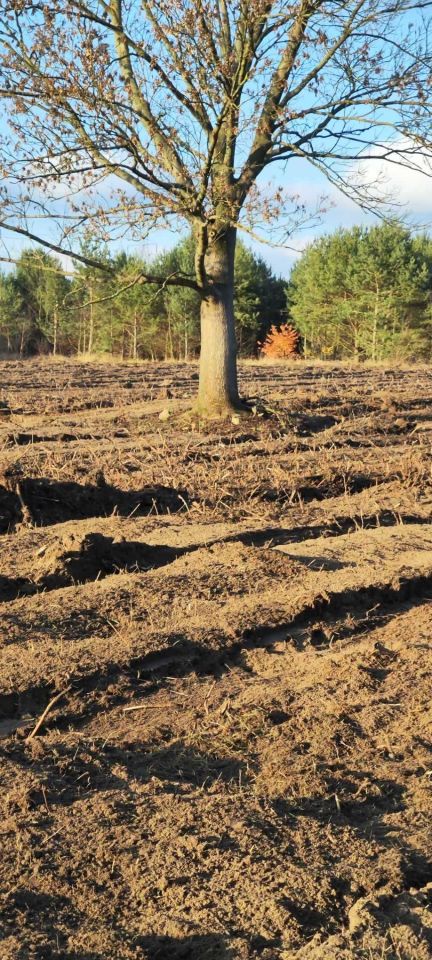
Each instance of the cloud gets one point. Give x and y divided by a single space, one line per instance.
405 179
409 188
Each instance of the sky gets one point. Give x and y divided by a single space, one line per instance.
411 191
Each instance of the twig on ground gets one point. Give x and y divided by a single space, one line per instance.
47 710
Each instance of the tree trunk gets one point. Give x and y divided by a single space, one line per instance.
123 341
375 323
91 323
218 390
169 341
135 337
186 342
55 331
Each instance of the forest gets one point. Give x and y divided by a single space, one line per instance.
359 293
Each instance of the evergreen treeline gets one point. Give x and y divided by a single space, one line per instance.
43 311
363 293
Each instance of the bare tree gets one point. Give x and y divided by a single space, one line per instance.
126 115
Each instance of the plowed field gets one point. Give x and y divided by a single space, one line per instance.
226 631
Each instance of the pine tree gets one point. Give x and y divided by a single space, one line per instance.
364 293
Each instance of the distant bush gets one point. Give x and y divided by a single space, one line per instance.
280 343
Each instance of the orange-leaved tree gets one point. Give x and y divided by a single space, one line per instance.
127 115
281 343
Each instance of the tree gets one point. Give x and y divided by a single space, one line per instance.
135 313
364 292
41 309
8 327
179 306
259 300
36 294
181 105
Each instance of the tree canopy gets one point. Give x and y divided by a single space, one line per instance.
89 311
365 293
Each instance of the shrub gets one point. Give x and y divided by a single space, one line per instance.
280 343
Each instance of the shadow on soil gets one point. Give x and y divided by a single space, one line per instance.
319 488
210 947
198 947
48 914
68 774
317 625
47 501
338 527
73 560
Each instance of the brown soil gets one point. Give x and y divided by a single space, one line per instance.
239 618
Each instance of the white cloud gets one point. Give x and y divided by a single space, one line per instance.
405 180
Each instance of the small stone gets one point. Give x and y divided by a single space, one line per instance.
164 415
235 419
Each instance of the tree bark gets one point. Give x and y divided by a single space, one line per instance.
91 322
218 389
55 330
375 323
135 337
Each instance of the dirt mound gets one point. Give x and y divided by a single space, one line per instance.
74 559
398 927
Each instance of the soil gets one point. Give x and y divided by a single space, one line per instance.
228 628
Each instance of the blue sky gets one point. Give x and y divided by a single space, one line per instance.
411 190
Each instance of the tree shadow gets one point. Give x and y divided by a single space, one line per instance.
28 911
73 560
319 488
52 501
368 818
367 815
348 802
68 774
196 947
117 683
309 424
